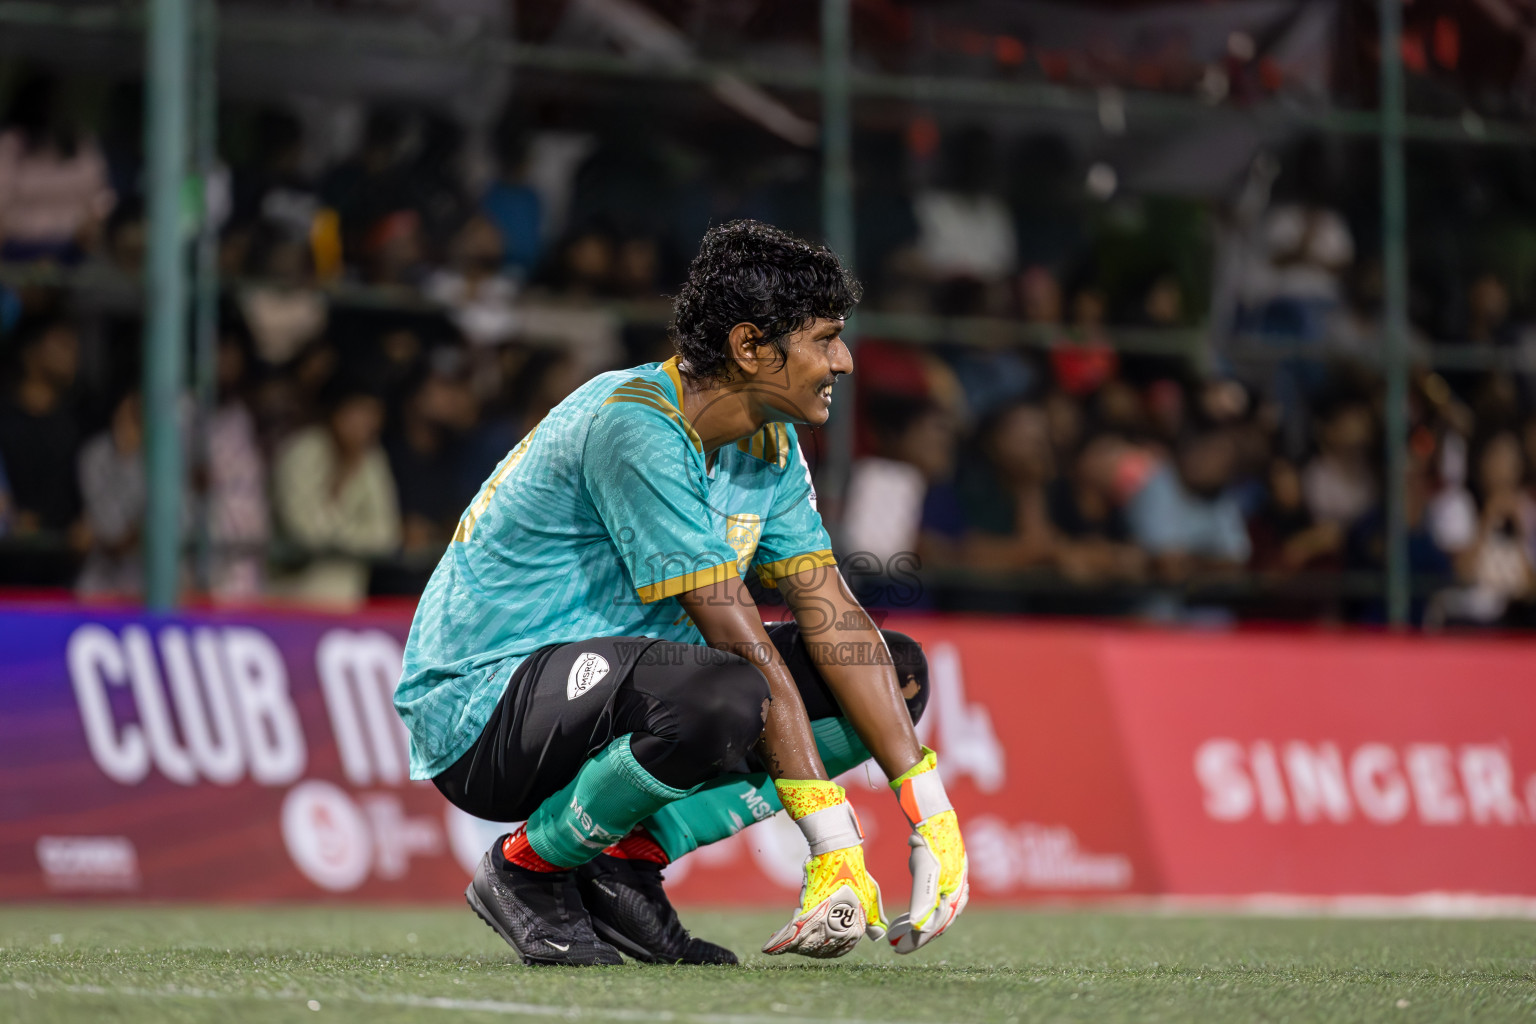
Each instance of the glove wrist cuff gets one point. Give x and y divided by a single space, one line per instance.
920 790
822 812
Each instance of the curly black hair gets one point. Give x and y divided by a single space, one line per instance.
750 272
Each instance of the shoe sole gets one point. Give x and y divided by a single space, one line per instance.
478 906
624 944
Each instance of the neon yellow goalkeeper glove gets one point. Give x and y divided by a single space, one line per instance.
839 901
940 872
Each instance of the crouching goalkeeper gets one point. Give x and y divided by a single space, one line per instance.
587 658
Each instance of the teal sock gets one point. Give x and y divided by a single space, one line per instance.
724 806
608 797
717 810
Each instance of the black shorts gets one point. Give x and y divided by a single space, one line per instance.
559 709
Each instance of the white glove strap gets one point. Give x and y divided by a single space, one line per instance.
831 828
928 795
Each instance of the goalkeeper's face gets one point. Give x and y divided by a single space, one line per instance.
815 356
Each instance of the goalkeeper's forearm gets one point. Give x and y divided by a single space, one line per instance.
728 617
849 652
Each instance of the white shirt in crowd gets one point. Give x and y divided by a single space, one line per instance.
966 235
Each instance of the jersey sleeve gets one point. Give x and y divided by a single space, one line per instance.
794 538
643 473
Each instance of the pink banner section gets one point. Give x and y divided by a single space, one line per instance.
258 757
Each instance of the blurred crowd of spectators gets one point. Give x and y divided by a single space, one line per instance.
394 320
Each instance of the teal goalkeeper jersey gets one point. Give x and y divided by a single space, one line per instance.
591 527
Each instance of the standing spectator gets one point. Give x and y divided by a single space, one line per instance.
39 436
1297 282
513 206
335 500
374 183
965 230
274 192
54 194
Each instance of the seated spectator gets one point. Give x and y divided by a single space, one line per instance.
1083 359
1366 547
1005 493
111 473
479 294
1118 407
236 482
283 309
426 452
900 501
1488 321
394 250
335 501
7 505
586 265
1492 549
1339 482
1285 537
1064 425
54 194
39 434
1178 511
1093 538
635 268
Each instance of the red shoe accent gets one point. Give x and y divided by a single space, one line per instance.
639 846
517 850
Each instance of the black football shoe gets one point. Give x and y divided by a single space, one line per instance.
539 913
630 910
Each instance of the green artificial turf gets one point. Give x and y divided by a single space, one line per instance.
106 964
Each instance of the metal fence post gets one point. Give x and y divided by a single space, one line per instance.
206 274
837 227
166 78
1394 263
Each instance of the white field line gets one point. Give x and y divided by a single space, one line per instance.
492 1006
1440 905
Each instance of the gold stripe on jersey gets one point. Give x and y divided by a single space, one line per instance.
670 366
466 527
772 572
771 444
687 581
642 396
644 387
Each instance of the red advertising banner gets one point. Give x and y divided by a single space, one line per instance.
258 757
1333 764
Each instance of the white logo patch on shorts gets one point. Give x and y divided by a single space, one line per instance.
588 671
